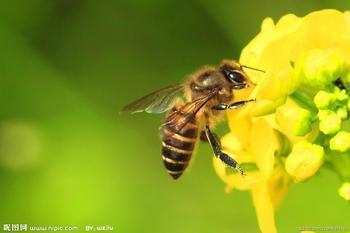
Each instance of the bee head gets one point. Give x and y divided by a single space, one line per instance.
234 73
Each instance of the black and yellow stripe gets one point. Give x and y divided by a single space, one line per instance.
178 146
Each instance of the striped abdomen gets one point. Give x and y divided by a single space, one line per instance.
178 145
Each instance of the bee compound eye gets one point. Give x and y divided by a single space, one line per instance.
236 77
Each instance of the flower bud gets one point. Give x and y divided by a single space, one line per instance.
324 113
330 124
342 112
294 119
321 67
344 191
324 99
304 160
340 142
342 96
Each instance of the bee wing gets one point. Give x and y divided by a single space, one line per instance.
188 112
156 102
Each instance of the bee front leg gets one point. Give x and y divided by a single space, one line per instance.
239 86
234 105
215 145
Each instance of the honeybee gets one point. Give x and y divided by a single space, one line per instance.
207 93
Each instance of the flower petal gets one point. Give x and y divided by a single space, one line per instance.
278 186
232 146
264 208
264 142
236 180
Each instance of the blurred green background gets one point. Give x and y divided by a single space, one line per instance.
68 158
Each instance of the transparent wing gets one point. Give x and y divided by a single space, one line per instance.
156 102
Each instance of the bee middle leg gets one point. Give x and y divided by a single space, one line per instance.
234 105
215 145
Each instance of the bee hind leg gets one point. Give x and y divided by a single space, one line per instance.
234 105
215 145
203 137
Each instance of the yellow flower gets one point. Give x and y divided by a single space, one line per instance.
301 56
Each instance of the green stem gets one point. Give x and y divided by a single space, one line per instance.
304 100
320 139
340 162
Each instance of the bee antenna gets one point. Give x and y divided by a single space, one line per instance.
252 68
